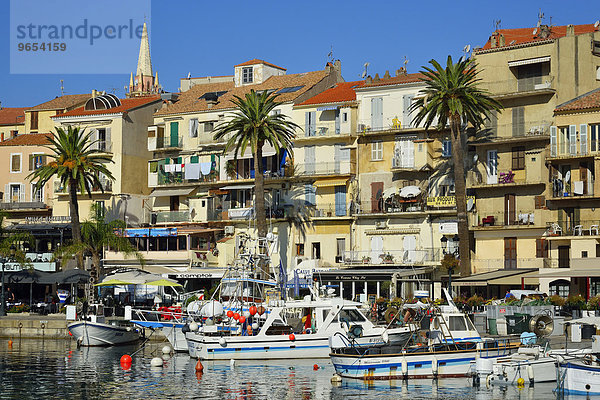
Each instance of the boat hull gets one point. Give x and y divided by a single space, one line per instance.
100 334
171 330
443 364
509 372
579 378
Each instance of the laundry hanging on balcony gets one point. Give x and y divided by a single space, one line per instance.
205 168
192 171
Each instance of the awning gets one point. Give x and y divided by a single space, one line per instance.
150 232
536 60
571 273
330 182
500 277
237 187
267 151
171 192
195 230
327 108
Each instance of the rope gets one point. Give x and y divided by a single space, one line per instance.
143 344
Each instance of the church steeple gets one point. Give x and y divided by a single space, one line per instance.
144 83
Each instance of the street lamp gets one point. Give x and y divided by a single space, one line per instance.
4 260
454 253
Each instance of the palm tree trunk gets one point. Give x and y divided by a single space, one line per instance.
96 265
461 196
259 193
74 208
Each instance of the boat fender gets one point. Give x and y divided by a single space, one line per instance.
199 367
166 350
336 379
520 382
530 375
194 326
156 362
232 363
404 368
434 367
223 342
185 328
488 380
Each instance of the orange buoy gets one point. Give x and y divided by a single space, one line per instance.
292 337
125 359
316 367
10 342
199 367
199 376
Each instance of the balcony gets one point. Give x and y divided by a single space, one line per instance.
322 130
392 257
23 206
157 143
482 265
503 220
506 178
329 210
240 213
107 185
575 190
325 168
172 216
575 229
390 125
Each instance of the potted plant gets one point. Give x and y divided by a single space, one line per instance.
366 260
387 258
474 301
576 303
593 304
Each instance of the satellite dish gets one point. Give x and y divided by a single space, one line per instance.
596 24
467 48
535 31
568 176
542 325
470 204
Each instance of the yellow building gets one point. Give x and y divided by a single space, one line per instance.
38 119
530 71
12 122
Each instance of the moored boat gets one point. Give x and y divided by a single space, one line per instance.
578 376
108 333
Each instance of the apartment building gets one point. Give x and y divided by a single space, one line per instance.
12 122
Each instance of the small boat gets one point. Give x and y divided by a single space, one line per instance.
578 376
103 333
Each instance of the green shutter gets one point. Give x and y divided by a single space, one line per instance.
174 134
194 159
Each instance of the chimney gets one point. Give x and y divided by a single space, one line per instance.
0 105
493 40
211 99
369 80
570 30
501 40
376 79
386 75
337 65
94 93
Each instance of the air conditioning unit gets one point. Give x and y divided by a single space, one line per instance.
229 230
380 225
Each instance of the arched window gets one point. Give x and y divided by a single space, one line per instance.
560 287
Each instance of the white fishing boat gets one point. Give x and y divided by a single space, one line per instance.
290 330
578 375
100 332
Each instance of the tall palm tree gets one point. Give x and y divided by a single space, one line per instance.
255 124
98 234
77 164
452 97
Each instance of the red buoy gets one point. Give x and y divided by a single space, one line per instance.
229 314
199 367
316 367
125 359
242 319
253 310
10 342
292 337
236 316
70 333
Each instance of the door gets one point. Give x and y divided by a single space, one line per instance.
510 253
174 203
510 212
340 201
376 250
376 196
377 113
410 245
341 248
563 256
492 167
174 134
309 160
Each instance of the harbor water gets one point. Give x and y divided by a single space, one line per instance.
57 369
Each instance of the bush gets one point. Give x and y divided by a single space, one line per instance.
594 303
475 301
577 301
18 309
556 300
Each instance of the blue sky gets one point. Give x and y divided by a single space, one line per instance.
209 38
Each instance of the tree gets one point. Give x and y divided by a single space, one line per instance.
452 97
78 166
255 124
96 235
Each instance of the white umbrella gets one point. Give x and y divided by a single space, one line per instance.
388 192
410 191
211 309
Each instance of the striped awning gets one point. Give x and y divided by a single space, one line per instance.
330 182
536 60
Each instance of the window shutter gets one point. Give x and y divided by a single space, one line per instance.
15 162
583 139
22 198
194 159
44 159
193 128
6 195
107 142
313 122
307 124
518 121
553 143
593 138
31 162
573 139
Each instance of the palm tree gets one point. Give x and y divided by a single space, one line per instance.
78 166
255 124
452 97
98 234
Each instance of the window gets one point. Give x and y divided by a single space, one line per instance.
208 127
100 209
540 202
299 249
596 47
457 323
16 192
584 254
310 123
541 248
194 127
404 153
101 139
518 157
341 248
34 120
446 148
345 117
560 287
247 75
277 111
290 89
518 121
37 195
594 138
36 161
377 151
316 251
15 163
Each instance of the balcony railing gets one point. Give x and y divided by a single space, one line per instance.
240 213
172 216
501 219
394 124
325 210
323 129
389 206
586 227
107 185
571 189
25 205
164 142
382 257
492 264
325 168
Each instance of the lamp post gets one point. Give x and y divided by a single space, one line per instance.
454 253
4 260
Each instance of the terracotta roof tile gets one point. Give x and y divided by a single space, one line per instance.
396 80
586 101
12 115
190 100
62 102
30 139
257 61
342 92
126 104
525 35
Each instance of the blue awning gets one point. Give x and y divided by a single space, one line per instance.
150 232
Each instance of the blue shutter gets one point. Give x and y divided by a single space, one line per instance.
340 201
310 195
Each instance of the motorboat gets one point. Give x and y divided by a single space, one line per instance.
578 375
98 331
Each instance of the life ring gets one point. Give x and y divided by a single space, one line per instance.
390 314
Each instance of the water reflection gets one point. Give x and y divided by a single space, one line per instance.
34 369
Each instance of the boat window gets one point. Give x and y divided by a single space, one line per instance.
351 316
457 323
470 324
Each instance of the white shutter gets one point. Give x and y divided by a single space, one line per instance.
108 141
583 139
573 139
194 127
94 139
553 142
6 196
22 197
